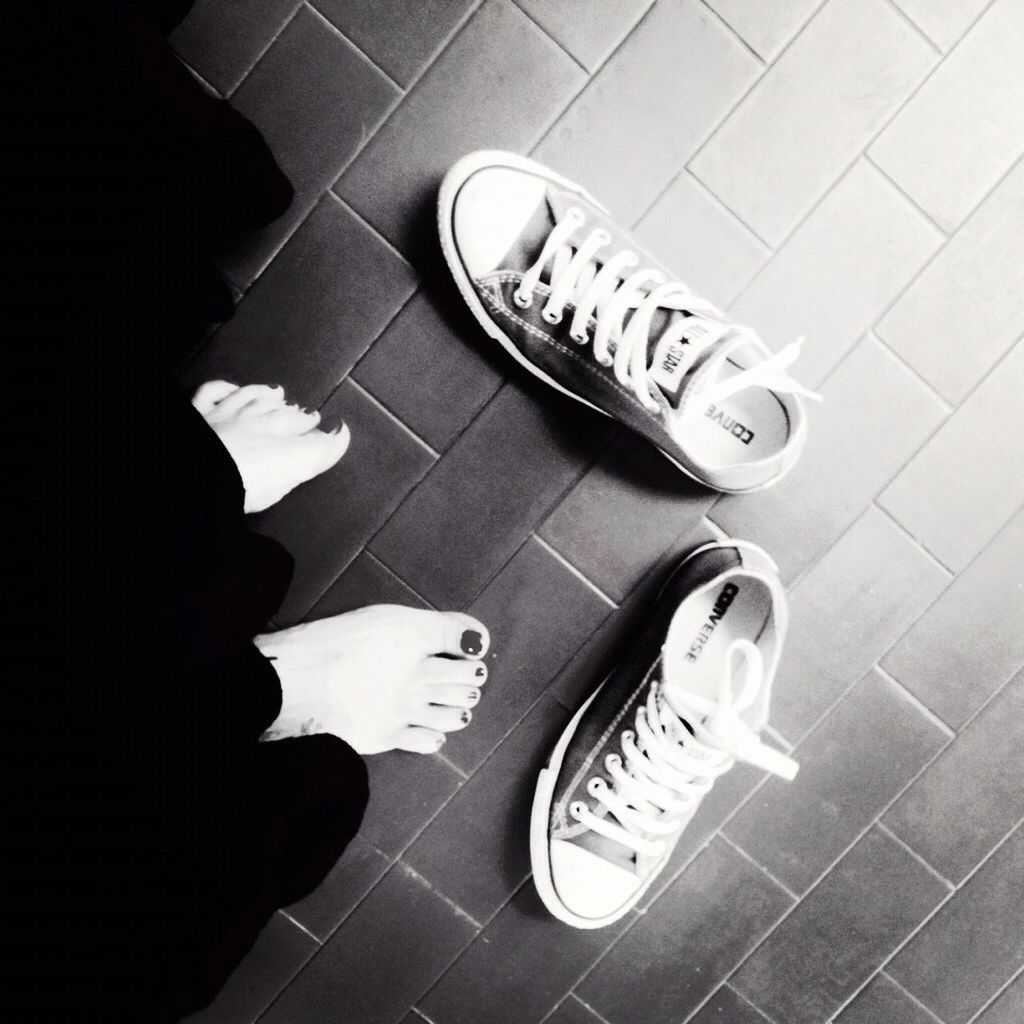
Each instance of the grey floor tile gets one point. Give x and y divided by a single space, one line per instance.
968 480
971 797
969 642
490 815
964 128
765 28
366 581
399 35
943 21
519 967
884 1002
845 613
325 522
974 944
280 951
623 515
588 29
1009 1007
222 39
539 613
315 98
572 1011
497 85
433 367
488 493
727 1006
356 873
702 241
875 416
824 98
381 959
840 933
688 942
967 307
645 112
406 791
328 294
838 272
852 765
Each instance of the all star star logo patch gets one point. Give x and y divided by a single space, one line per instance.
742 433
725 598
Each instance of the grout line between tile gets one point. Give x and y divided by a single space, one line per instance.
329 191
779 738
910 995
885 830
559 557
917 28
202 79
760 867
300 926
892 354
916 702
997 994
885 963
917 543
923 269
540 28
229 92
585 1005
732 31
946 233
391 416
426 883
341 35
451 764
739 995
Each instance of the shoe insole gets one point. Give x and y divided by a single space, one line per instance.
745 427
737 608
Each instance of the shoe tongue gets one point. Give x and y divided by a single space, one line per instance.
674 361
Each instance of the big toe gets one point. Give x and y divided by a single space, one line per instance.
462 635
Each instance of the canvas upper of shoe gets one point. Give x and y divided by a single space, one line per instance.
577 301
660 730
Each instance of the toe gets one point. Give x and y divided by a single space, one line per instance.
242 397
290 420
442 718
210 393
418 740
455 633
453 695
434 671
333 445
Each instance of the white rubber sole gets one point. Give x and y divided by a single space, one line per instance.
453 181
540 813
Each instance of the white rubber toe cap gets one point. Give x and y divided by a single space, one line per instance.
590 887
491 210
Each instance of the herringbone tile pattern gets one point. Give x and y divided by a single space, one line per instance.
849 170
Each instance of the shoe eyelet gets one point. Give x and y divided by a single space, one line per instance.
580 339
613 761
577 809
551 316
604 236
596 785
605 360
627 734
524 300
576 214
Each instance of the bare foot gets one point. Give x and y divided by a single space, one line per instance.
276 446
373 677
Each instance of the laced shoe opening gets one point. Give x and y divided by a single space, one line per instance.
749 426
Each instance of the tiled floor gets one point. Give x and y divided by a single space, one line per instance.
848 170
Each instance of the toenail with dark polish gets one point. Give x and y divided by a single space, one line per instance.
466 716
474 696
480 672
472 642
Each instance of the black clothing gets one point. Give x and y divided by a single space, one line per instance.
153 834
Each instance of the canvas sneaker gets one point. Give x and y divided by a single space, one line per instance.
635 762
575 300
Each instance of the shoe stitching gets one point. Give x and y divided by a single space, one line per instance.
500 307
587 764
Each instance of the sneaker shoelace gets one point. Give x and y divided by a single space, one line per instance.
664 769
605 295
